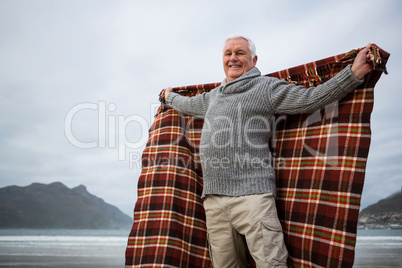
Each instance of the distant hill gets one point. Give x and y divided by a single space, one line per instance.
386 213
392 203
57 206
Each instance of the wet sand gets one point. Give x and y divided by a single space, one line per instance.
381 257
378 258
26 255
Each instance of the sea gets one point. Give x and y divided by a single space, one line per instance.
106 248
62 248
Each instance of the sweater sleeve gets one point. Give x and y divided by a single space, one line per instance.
196 106
287 98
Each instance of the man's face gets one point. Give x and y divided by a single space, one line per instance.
237 58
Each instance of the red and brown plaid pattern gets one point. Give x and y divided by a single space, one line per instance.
320 160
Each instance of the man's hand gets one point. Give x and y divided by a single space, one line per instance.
167 91
361 66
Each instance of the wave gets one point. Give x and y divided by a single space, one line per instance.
63 241
63 238
379 242
379 238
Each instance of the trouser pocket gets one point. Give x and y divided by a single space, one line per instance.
274 246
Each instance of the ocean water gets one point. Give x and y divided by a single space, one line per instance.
106 248
62 248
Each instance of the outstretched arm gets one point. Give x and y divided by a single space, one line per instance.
289 99
196 106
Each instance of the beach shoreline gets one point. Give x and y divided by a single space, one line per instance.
106 249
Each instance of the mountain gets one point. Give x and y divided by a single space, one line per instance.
386 213
392 203
57 206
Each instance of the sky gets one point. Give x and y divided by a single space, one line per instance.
79 79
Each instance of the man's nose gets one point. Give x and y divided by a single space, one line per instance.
233 57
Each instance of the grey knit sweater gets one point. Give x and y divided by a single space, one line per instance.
234 147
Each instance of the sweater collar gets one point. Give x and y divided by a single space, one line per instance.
238 85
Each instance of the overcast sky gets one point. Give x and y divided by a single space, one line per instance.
71 69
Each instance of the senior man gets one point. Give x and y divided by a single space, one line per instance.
239 179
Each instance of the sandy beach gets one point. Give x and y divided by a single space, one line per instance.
106 249
381 257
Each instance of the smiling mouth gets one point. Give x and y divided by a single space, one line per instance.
234 66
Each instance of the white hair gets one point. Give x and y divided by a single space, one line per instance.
251 45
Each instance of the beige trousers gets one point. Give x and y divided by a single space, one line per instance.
236 224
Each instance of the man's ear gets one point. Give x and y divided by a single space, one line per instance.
255 60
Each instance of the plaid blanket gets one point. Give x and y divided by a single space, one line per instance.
320 162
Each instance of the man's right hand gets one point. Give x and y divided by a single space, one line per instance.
167 91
